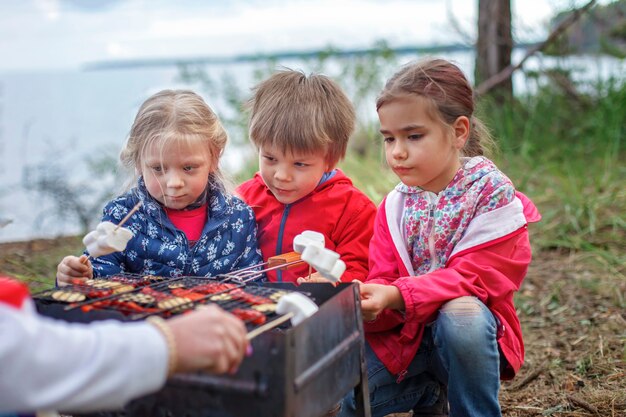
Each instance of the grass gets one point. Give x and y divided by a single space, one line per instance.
35 262
567 155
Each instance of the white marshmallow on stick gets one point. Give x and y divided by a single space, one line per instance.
109 237
308 238
325 261
293 306
106 239
297 304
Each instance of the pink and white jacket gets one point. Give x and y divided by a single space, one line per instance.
471 239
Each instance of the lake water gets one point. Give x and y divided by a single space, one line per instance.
71 115
68 117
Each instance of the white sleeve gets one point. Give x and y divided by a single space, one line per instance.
51 365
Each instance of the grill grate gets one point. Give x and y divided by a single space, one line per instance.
137 297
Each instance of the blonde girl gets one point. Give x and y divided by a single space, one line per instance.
188 223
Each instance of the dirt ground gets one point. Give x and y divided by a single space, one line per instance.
573 314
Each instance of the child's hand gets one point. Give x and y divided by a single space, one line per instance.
71 268
315 277
376 297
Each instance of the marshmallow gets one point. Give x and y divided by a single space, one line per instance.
325 261
298 304
308 238
106 239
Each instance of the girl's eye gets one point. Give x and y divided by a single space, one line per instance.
157 168
388 139
187 168
301 164
416 136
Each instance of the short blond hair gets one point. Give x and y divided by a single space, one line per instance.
298 113
174 115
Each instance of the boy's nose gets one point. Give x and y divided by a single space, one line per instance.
282 174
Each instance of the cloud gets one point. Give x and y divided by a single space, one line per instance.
51 9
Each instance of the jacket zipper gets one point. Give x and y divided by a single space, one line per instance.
431 224
279 243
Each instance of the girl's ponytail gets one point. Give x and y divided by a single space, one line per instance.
480 141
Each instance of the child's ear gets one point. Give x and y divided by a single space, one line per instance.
461 128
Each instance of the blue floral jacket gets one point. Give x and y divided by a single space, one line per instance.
228 241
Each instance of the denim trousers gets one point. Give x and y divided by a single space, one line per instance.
459 350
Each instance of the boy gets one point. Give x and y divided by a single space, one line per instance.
301 125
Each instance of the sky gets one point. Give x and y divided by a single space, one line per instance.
69 34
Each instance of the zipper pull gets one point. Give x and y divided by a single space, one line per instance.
401 376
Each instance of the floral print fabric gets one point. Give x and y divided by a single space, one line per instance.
434 223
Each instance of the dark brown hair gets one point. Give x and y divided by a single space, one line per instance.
447 88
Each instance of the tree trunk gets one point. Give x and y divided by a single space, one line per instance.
494 44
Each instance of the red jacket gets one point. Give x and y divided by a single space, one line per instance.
336 208
490 270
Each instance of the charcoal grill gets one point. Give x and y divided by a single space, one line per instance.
295 371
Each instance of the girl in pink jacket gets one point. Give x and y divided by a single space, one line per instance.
450 248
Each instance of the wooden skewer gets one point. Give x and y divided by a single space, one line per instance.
288 259
130 213
268 326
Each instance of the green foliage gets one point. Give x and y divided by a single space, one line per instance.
565 149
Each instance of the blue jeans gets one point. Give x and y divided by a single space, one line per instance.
459 350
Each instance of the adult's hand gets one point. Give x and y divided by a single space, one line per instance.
209 339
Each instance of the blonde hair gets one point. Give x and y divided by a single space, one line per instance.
174 115
449 91
298 113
